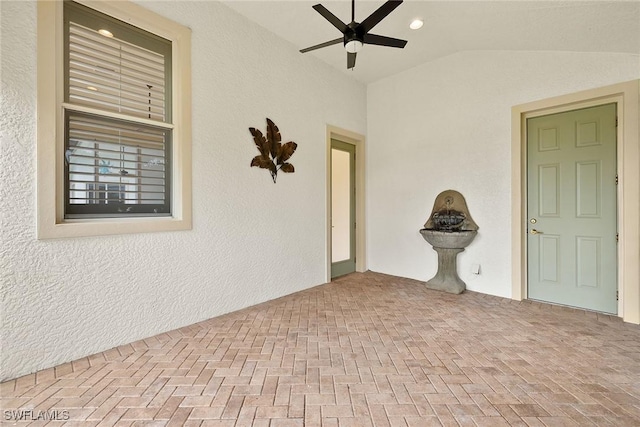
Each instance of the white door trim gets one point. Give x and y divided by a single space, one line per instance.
627 98
357 140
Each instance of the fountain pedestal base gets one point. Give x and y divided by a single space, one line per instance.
449 230
446 279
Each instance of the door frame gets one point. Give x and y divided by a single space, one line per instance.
626 96
356 139
562 233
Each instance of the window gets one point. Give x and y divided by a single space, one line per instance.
113 117
112 67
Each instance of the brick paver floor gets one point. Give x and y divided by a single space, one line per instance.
365 350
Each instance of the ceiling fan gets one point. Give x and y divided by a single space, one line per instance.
356 34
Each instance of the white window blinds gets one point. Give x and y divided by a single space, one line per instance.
117 118
114 75
104 154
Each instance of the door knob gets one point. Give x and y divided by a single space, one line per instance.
534 231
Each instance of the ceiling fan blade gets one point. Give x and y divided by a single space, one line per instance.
379 15
325 44
331 18
351 60
383 41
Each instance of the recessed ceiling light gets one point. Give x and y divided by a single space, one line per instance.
92 88
416 23
105 33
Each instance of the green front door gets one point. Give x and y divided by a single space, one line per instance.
571 208
343 208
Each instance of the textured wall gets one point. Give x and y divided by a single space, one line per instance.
447 125
251 241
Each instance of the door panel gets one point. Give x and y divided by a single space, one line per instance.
549 190
571 198
549 258
343 209
588 190
588 259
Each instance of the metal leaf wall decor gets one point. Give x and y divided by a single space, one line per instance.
273 154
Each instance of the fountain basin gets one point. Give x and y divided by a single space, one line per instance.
448 239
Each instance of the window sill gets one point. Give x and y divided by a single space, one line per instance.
110 226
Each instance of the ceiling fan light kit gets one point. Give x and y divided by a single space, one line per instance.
353 46
356 34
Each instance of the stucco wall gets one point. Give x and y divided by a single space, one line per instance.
251 241
446 125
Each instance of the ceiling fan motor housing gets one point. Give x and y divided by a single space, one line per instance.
354 37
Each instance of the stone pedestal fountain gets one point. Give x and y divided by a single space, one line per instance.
449 230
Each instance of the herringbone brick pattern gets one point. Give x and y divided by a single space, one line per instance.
365 350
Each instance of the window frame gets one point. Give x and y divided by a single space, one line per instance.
51 194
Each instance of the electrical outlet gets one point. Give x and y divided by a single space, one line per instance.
475 268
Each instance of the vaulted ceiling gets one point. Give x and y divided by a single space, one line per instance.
452 26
